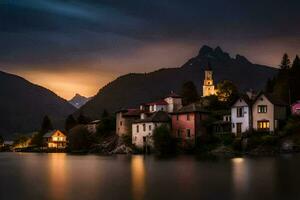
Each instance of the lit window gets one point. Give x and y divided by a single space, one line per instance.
263 125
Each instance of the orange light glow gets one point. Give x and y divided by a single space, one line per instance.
138 177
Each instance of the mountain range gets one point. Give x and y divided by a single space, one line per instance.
132 89
23 105
78 100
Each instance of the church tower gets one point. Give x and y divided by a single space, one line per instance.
208 85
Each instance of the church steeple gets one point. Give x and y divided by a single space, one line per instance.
208 85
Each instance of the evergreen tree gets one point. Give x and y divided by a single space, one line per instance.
296 62
189 93
46 125
105 114
1 140
70 123
285 62
82 119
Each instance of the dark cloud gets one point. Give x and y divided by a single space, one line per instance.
76 34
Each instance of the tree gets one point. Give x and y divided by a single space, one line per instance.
296 62
37 139
46 125
82 119
163 141
70 123
226 91
105 114
80 139
285 62
189 93
1 140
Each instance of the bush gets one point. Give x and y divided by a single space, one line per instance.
80 139
127 139
237 144
292 126
226 139
163 141
269 140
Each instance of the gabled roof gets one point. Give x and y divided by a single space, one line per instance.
159 116
50 133
191 108
173 95
272 98
132 113
160 102
244 97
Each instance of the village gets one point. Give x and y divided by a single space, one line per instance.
171 121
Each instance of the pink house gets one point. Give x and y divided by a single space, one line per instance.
187 124
296 108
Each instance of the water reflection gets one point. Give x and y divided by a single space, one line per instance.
240 170
138 177
57 175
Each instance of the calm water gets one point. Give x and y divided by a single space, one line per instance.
62 176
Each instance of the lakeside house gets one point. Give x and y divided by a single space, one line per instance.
55 139
124 120
223 126
295 108
142 129
268 113
241 115
187 124
263 113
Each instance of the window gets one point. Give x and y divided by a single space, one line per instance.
144 127
121 123
177 117
188 133
263 125
150 127
137 128
262 109
188 117
240 112
178 133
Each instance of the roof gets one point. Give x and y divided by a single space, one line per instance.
131 112
95 121
191 108
272 98
50 133
159 116
244 97
173 95
160 102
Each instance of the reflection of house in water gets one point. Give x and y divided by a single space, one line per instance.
138 177
55 139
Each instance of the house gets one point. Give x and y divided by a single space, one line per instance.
55 139
174 102
295 108
160 105
208 84
92 126
187 124
241 115
142 129
124 120
268 113
223 126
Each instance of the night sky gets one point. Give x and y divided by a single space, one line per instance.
78 46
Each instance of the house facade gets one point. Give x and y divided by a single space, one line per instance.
55 139
241 115
187 124
142 129
124 120
174 102
295 108
268 113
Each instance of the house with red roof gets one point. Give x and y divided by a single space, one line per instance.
188 124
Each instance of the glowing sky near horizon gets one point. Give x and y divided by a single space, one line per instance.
78 46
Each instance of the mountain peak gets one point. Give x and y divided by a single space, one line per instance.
78 100
205 50
217 53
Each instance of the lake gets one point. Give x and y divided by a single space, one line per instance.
63 176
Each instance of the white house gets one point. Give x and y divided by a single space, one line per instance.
142 130
174 102
268 112
241 115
